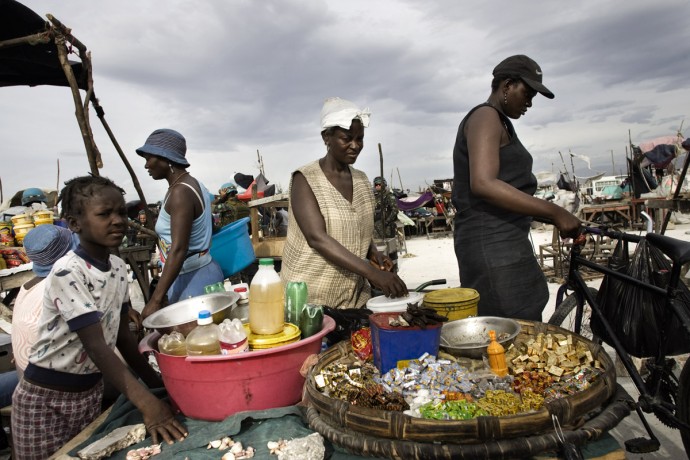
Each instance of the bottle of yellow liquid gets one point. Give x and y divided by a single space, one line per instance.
173 344
497 356
203 339
266 300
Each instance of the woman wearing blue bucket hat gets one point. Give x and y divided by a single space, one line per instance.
184 226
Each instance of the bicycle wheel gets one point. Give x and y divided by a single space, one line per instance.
683 403
565 313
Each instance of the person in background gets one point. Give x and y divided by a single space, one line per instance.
227 208
281 222
493 188
32 199
386 218
329 241
84 317
44 245
184 225
33 195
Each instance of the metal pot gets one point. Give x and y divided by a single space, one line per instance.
181 316
469 337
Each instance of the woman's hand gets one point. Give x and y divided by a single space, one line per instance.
568 225
161 423
152 306
389 283
381 261
134 317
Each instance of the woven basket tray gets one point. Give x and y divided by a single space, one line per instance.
571 410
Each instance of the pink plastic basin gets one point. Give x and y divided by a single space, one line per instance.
214 387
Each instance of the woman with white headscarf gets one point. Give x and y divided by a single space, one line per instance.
331 219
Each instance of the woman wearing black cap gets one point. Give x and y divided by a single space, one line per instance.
184 225
493 188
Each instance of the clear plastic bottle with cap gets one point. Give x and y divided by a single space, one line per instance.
233 338
497 356
243 292
204 339
266 300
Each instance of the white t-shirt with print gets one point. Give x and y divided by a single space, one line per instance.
79 292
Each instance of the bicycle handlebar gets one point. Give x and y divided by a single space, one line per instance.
603 231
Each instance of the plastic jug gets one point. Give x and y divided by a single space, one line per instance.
266 300
173 344
233 338
203 339
497 356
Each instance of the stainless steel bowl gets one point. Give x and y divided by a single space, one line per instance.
469 337
182 316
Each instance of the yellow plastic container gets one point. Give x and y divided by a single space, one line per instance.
289 334
48 221
43 215
20 230
21 219
453 303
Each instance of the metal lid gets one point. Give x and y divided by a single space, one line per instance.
452 296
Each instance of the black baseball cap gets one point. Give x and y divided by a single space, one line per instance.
528 71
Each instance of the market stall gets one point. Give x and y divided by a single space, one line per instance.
356 417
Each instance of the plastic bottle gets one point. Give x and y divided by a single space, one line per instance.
215 287
497 356
173 344
233 338
266 300
203 339
244 295
295 298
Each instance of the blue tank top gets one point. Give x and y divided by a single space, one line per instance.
200 237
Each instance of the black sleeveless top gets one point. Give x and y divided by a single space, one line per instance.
515 169
492 244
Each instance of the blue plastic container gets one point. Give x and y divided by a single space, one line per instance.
232 248
392 344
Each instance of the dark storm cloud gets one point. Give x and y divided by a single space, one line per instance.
241 76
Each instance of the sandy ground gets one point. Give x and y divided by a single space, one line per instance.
433 257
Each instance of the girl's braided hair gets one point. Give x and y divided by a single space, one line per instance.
76 191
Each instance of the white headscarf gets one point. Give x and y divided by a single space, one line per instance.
340 112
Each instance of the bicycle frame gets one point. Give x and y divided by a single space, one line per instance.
576 282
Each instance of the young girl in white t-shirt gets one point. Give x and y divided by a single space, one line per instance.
84 317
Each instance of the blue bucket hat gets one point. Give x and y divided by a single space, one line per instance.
45 244
166 143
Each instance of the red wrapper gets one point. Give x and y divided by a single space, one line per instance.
361 343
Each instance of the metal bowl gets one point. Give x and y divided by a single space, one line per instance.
469 337
181 316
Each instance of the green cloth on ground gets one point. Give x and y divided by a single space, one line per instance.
252 428
255 429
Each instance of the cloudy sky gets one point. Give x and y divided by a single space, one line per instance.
239 76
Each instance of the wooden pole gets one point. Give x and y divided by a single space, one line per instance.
57 182
135 181
400 179
35 39
79 109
